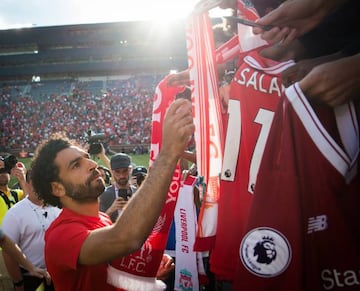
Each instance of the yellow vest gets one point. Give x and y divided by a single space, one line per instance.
7 200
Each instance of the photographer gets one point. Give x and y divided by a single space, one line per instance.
10 166
115 197
138 175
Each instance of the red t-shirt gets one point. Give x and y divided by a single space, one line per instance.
63 241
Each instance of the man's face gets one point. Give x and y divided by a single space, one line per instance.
79 175
4 179
121 176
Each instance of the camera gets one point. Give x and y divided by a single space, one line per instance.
9 163
94 141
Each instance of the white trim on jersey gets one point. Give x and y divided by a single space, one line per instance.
342 161
271 70
348 128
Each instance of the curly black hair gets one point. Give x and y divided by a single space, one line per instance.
43 169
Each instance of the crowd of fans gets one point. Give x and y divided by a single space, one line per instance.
122 111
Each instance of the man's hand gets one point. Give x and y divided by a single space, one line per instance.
166 267
118 204
19 172
325 84
178 128
294 18
40 273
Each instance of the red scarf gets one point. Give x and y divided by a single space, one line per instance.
137 271
208 126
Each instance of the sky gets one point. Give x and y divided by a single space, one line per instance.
30 13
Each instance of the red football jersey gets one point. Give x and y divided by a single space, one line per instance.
254 94
303 229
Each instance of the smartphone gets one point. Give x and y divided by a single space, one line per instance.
124 194
249 22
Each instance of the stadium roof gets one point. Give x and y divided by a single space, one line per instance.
91 49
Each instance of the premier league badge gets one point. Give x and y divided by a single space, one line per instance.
265 252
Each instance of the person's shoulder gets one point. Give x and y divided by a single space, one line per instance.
53 209
19 192
18 208
72 222
15 216
108 189
65 218
133 189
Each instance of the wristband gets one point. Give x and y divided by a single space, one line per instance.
19 283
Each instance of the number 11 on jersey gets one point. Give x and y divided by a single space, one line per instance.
232 143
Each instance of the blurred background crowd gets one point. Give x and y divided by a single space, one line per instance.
33 112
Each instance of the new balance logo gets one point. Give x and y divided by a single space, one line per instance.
317 223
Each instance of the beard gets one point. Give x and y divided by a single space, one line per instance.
87 192
122 182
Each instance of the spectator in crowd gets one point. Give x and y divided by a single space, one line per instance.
116 196
12 250
105 174
25 223
81 241
9 197
138 175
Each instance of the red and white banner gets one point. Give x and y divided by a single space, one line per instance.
137 271
208 122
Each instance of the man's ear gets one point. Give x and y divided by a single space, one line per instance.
58 189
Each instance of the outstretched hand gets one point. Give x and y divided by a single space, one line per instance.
294 18
325 84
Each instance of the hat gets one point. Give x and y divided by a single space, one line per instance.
139 170
120 160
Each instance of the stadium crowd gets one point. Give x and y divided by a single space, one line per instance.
27 119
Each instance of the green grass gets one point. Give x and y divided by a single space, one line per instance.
139 160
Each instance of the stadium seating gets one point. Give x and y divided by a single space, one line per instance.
121 108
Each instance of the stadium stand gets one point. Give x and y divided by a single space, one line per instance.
122 113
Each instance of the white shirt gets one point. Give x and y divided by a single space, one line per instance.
25 223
